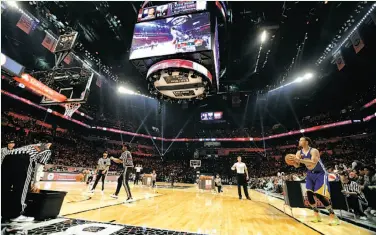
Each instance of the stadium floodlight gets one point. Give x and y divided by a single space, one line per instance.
308 76
12 4
124 90
299 79
263 36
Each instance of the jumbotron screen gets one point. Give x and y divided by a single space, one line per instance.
187 33
210 116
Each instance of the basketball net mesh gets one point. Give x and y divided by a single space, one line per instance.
70 108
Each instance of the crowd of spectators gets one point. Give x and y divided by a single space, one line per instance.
72 152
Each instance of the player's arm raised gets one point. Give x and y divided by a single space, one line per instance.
117 160
315 157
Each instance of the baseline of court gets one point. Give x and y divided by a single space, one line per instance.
193 210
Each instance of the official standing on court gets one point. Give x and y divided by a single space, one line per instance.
103 166
138 169
154 178
242 177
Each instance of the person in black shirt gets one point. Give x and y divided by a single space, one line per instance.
126 159
7 150
172 178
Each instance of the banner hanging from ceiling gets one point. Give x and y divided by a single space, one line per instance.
25 23
357 41
340 62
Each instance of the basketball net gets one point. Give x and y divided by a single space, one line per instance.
70 108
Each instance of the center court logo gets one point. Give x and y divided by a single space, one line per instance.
84 227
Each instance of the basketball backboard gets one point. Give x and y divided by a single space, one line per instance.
195 163
73 81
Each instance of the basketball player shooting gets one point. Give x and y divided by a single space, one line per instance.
126 159
317 183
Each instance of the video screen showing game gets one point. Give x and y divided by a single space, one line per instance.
209 116
187 33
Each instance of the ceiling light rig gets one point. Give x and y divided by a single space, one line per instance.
293 61
305 77
14 5
263 38
105 70
125 90
335 45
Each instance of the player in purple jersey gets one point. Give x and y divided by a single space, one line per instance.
317 179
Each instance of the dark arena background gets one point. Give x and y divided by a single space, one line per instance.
160 99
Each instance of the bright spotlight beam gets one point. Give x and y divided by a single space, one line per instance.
124 90
12 4
299 79
308 76
263 36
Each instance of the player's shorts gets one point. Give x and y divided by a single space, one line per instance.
318 183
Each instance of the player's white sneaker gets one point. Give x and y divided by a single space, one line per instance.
114 196
102 192
23 218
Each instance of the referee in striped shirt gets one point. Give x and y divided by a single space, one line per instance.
21 176
355 197
103 166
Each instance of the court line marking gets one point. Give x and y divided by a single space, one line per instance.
295 218
86 199
116 204
364 226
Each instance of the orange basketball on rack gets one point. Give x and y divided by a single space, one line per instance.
290 159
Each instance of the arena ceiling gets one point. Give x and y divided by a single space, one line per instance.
297 35
106 32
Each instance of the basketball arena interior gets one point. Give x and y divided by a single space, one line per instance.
188 117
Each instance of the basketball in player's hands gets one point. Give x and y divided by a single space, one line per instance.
290 159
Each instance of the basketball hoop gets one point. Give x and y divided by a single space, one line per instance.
195 163
70 108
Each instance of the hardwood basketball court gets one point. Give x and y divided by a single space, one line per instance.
188 209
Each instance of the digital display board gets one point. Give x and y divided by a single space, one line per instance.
184 93
209 116
11 66
187 33
170 9
176 79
